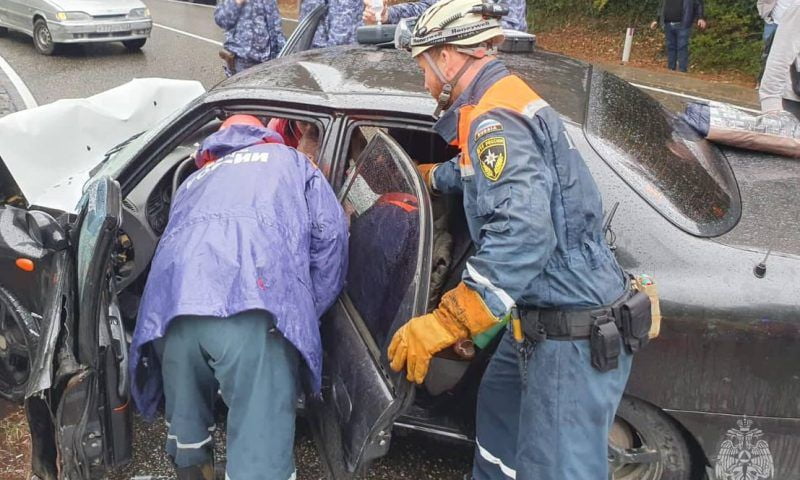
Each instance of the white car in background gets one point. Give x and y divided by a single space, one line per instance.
55 22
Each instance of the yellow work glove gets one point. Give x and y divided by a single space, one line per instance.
460 314
426 171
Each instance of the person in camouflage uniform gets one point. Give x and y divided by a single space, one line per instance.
339 25
515 20
253 32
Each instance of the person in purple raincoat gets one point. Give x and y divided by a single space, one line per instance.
254 253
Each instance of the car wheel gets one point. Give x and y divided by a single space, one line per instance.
645 444
42 39
16 347
134 45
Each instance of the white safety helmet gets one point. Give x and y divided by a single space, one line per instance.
467 23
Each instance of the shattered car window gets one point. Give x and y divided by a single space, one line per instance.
680 174
384 236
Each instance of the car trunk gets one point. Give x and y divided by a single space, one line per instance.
769 189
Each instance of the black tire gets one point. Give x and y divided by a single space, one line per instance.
653 445
3 31
17 347
134 45
42 39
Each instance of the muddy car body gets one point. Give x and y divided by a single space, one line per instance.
718 387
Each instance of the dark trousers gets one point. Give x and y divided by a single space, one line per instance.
677 39
256 369
544 412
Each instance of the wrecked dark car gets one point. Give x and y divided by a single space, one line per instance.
715 394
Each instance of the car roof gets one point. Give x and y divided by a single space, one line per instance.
388 80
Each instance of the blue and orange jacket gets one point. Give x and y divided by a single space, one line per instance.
533 209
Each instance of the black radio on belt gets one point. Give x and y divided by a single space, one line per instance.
604 344
629 319
634 317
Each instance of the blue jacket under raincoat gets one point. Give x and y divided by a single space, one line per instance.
253 30
515 20
260 228
533 209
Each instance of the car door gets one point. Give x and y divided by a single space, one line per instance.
303 35
387 283
93 419
19 13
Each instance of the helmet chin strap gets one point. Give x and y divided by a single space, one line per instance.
445 98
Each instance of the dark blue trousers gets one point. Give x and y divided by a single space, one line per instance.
677 45
256 370
544 412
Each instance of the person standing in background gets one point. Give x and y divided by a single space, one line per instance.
777 92
253 32
770 11
515 20
677 18
338 26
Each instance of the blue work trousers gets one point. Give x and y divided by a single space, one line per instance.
677 45
256 370
544 412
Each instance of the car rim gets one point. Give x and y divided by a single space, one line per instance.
43 37
629 455
14 355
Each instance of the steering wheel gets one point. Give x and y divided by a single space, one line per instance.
178 175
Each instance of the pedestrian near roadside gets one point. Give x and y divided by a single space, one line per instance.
253 32
770 11
777 92
515 20
549 395
254 252
339 25
677 18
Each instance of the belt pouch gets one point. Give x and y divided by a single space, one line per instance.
604 344
635 322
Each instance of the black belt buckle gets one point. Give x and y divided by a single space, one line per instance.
604 343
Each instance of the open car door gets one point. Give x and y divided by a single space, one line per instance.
303 35
387 284
93 421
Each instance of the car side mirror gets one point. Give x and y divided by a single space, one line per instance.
46 231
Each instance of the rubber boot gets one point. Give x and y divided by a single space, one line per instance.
203 471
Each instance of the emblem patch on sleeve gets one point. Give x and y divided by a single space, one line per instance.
486 127
492 156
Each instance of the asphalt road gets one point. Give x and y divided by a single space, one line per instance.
83 70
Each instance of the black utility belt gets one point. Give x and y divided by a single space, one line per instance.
629 318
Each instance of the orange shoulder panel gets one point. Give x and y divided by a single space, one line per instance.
510 92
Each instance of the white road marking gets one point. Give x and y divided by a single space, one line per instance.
22 89
691 97
198 37
212 6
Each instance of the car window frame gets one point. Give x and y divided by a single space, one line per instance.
191 119
424 252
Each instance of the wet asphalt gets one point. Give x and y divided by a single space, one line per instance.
412 456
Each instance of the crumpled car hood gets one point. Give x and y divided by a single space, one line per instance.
50 150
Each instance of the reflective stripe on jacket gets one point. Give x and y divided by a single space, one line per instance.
533 209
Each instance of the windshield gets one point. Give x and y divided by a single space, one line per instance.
680 174
120 155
